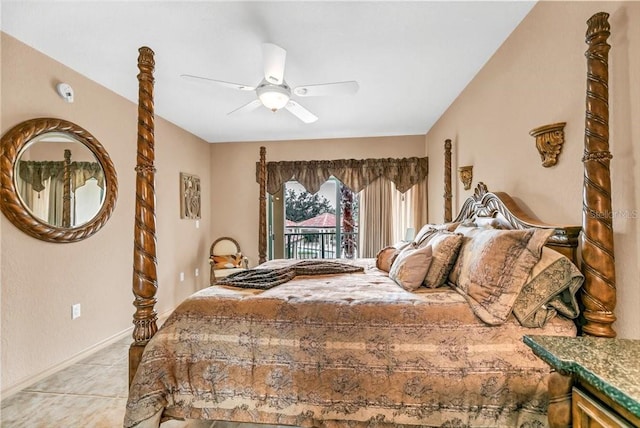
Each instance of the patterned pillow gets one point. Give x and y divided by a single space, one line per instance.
492 267
411 266
445 246
386 256
550 289
227 262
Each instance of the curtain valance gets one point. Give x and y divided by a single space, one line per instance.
37 173
353 173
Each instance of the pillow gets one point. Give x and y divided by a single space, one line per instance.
411 266
489 222
445 246
550 289
429 228
492 267
227 262
386 256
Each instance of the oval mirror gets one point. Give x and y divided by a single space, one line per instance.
57 183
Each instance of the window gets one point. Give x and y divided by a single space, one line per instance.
316 226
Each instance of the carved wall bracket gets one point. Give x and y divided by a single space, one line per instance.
549 141
466 176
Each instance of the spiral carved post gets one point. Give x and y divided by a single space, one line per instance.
447 181
66 190
599 290
262 226
145 277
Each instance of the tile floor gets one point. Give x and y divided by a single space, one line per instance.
89 394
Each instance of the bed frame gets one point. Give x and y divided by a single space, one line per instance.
598 294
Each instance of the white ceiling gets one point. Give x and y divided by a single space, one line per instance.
411 59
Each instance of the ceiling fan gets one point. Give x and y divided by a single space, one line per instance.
274 93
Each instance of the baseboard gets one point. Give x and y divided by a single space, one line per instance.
74 359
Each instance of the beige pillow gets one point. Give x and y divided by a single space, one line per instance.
445 246
492 268
386 256
411 266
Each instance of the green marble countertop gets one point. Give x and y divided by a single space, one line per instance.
612 366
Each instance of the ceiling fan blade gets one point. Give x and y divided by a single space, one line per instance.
250 106
324 89
218 82
300 112
274 58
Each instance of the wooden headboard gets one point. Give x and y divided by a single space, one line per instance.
599 291
501 207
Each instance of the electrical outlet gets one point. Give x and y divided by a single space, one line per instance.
197 271
197 224
181 276
75 311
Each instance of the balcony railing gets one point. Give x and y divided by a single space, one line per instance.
321 245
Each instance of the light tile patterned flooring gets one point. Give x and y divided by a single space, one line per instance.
89 394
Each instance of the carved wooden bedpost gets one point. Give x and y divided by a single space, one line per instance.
262 225
559 413
447 181
145 276
599 290
66 190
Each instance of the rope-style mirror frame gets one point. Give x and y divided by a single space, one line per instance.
13 208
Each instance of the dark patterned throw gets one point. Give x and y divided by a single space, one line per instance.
263 279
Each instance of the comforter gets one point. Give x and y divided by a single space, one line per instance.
340 350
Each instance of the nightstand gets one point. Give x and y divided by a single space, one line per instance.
597 380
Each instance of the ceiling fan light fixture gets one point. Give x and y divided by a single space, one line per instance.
273 97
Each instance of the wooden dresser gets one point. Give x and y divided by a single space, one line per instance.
605 374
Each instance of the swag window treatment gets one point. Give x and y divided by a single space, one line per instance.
377 181
353 173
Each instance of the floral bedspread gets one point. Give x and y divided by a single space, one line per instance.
340 350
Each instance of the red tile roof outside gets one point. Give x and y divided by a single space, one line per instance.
325 220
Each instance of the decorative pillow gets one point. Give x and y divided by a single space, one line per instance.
386 256
445 246
550 289
489 222
428 229
227 262
411 266
492 268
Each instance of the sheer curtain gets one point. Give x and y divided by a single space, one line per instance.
419 198
386 214
376 217
402 213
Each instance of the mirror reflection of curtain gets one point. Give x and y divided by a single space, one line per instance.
56 196
38 201
87 201
41 187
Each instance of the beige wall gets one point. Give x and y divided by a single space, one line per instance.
234 195
40 281
538 77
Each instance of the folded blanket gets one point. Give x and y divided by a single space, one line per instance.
264 279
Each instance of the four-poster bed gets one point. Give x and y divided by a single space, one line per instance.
284 357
